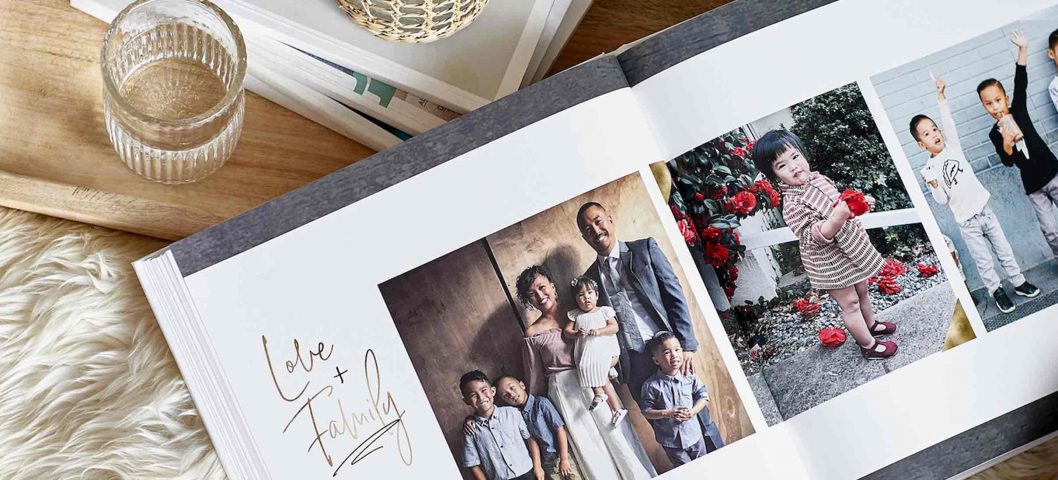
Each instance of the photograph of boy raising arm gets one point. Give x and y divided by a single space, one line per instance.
952 182
1018 144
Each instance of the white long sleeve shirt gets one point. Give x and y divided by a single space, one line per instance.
957 184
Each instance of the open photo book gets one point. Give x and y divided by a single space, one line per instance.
801 239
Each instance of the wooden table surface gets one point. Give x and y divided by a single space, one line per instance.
56 159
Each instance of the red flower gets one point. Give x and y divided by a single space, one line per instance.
774 199
888 285
832 337
856 201
687 230
743 203
676 213
762 186
749 147
738 241
927 270
698 196
739 151
729 291
732 275
892 268
718 193
806 307
711 234
717 255
873 279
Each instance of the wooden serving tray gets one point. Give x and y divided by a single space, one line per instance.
56 159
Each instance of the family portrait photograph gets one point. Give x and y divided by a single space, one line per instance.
978 122
569 345
812 252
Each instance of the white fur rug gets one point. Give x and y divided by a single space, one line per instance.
88 387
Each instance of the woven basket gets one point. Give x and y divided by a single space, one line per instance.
412 21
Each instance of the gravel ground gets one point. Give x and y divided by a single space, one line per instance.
788 333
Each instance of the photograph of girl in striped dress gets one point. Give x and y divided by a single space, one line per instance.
812 250
835 250
597 350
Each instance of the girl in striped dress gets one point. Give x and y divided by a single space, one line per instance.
835 250
596 351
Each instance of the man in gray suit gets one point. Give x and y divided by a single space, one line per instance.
638 282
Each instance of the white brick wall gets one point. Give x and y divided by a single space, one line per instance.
907 90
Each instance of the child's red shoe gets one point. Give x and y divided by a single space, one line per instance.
888 349
882 328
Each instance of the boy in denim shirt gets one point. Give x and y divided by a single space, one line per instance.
545 425
672 401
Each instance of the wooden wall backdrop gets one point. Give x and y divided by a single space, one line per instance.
551 238
453 317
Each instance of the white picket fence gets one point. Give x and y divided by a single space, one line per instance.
776 236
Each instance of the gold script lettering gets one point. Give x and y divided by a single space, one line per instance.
275 381
298 361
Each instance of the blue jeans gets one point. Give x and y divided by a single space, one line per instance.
680 456
985 237
1042 200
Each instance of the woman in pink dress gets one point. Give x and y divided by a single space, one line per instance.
603 451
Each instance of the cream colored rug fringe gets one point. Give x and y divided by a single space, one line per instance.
88 388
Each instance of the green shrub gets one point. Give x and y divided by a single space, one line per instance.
843 143
902 242
788 256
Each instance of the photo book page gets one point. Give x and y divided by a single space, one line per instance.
822 249
857 114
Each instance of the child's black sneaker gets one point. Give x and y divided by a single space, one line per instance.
1003 301
1027 289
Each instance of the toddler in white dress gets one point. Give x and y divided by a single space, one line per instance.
596 351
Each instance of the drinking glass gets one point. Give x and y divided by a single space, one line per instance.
173 75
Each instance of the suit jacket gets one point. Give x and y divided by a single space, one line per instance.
657 288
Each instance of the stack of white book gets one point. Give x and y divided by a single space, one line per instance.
309 57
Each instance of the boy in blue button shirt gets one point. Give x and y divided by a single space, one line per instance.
671 401
498 447
545 425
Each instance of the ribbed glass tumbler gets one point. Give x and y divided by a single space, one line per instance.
173 74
